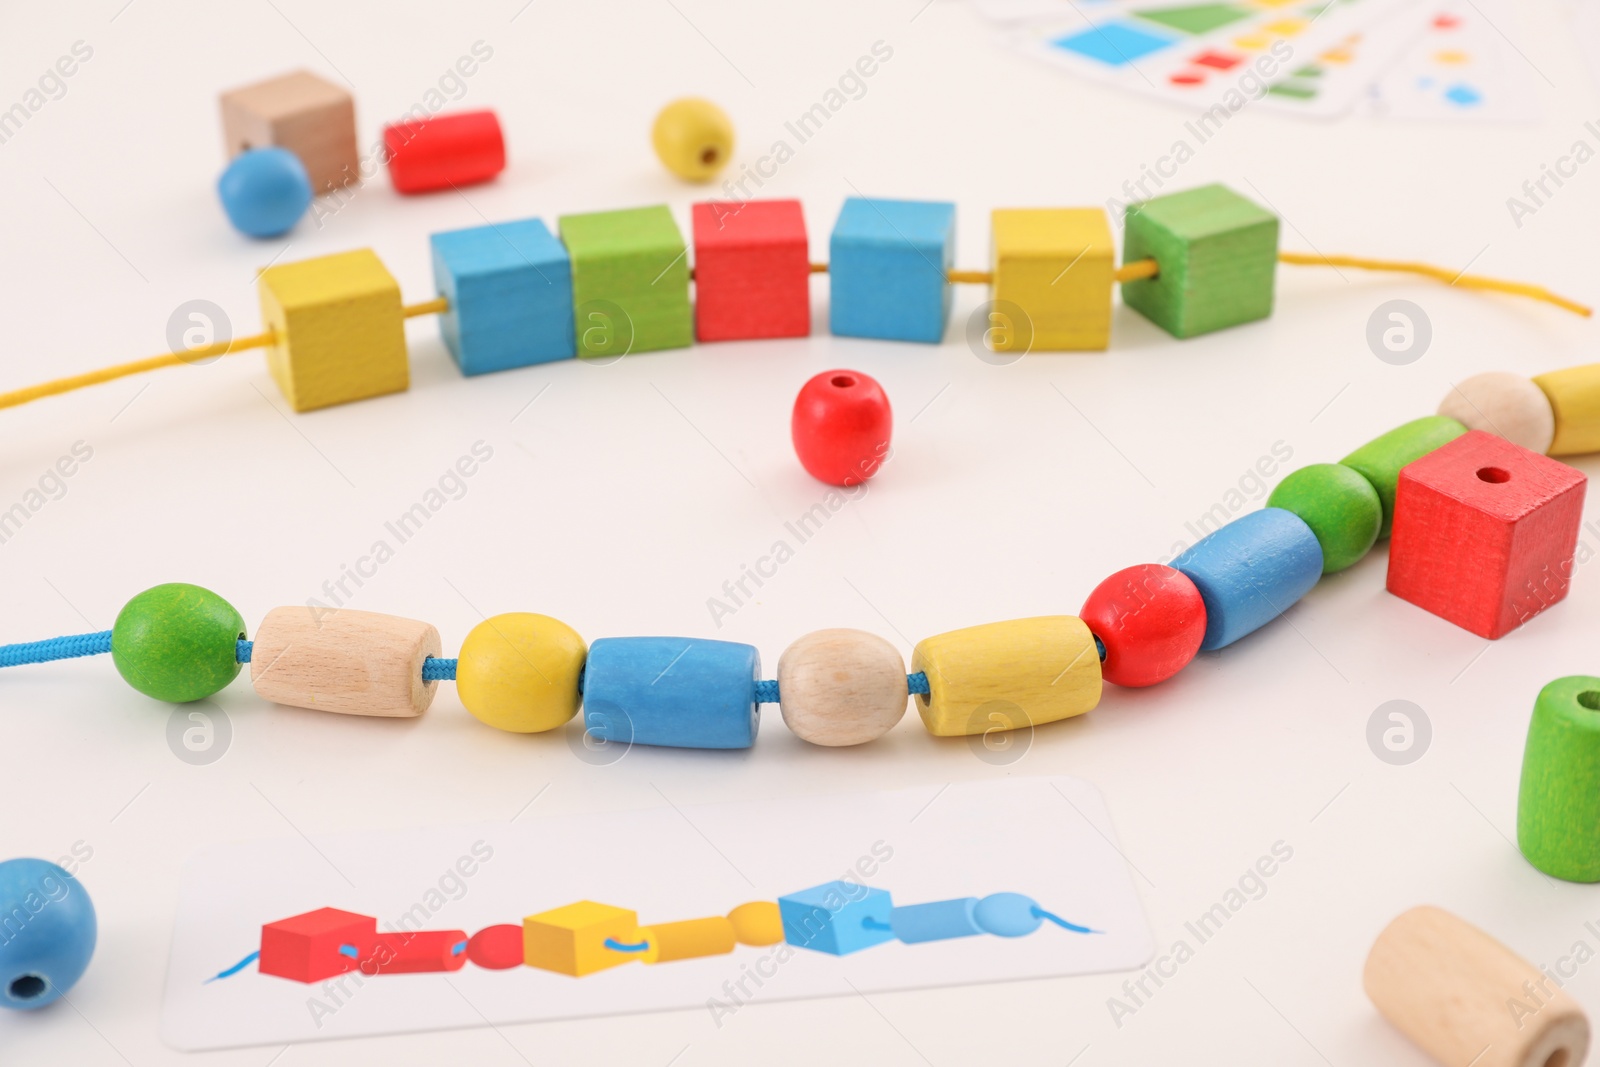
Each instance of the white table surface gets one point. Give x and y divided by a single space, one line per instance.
626 495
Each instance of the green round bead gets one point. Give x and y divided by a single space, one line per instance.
1558 804
177 642
1339 504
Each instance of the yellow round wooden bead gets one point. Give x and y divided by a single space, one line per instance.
519 672
757 923
693 138
1006 675
841 687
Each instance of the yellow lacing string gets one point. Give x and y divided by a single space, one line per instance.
1449 277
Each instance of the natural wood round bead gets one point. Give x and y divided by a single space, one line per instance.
1507 405
841 687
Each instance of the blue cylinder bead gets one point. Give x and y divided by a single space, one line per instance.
265 191
47 933
1250 571
1007 915
679 692
939 921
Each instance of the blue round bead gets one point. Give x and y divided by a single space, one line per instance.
48 933
1007 915
265 191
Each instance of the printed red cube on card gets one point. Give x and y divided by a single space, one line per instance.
752 271
444 151
1485 532
316 944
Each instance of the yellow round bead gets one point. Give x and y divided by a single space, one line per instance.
693 138
757 923
519 672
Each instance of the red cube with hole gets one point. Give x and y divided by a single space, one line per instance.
841 427
316 944
752 270
1485 532
1151 621
444 151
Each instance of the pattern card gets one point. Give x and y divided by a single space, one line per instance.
1459 69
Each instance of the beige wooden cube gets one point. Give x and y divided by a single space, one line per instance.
308 115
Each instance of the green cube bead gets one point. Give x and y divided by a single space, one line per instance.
177 642
630 281
1558 803
1217 254
1381 458
1339 505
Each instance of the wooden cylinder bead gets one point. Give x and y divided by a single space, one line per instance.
678 692
1151 621
444 151
1558 804
841 687
1341 507
519 672
686 940
1006 675
1574 395
352 662
1465 998
1380 459
1250 571
758 922
1508 405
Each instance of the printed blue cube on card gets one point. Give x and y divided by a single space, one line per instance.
1115 44
510 292
837 917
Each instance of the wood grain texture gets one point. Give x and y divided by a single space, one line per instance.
1558 803
631 269
509 287
841 687
1464 998
1505 404
1574 395
1007 675
1055 266
1251 571
351 662
752 270
887 261
308 115
1485 533
520 672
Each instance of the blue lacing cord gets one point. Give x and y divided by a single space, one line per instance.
242 650
622 946
1100 647
235 969
1040 913
69 647
917 684
767 691
438 670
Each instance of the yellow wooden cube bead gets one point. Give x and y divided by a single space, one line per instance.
519 672
1004 675
571 939
1056 267
1575 399
339 334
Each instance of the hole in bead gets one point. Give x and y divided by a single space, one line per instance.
708 156
27 987
1495 475
842 381
1590 698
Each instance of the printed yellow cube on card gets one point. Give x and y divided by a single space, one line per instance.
1053 273
338 330
572 939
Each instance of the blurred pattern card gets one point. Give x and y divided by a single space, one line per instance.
1460 69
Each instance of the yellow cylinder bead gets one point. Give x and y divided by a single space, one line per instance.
757 923
1005 675
1575 400
686 940
519 672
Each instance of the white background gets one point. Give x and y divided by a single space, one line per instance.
626 495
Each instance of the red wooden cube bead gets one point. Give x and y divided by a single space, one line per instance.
752 271
1485 532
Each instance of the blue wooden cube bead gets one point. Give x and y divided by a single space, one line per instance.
1250 571
510 292
888 261
678 692
837 917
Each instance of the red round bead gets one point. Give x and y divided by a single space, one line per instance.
1150 619
841 427
498 948
444 151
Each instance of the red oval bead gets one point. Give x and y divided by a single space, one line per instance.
444 151
841 427
1150 619
498 948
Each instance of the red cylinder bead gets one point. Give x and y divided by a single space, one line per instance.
498 948
841 427
416 952
1151 621
444 151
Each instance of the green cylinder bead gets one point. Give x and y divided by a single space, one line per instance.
1558 805
1339 505
177 642
1380 459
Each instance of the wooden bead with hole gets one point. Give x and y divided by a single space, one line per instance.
1574 395
1007 675
1508 405
351 662
841 687
1558 803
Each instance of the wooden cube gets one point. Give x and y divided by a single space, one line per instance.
510 292
1056 266
308 115
339 331
752 270
571 940
887 272
1218 258
1485 532
630 281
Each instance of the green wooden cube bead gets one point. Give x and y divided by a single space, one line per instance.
1217 255
1381 458
177 642
1339 505
630 281
1558 804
